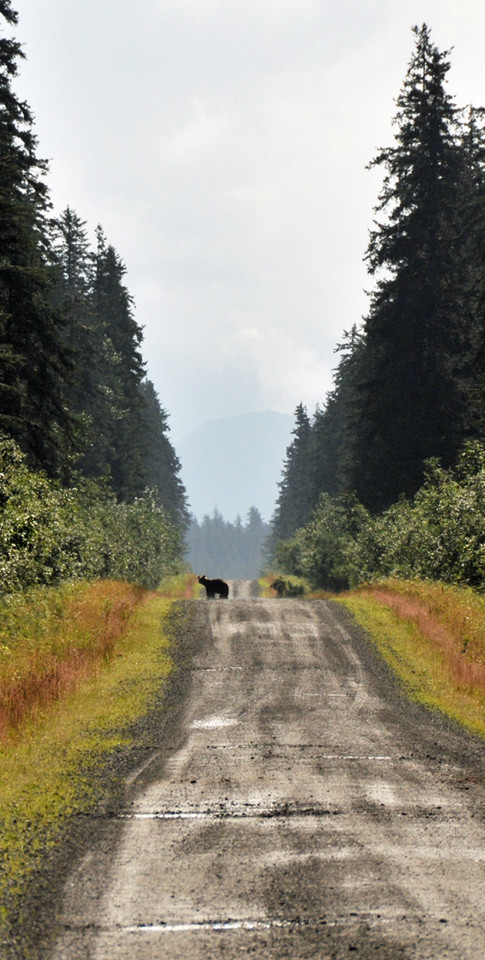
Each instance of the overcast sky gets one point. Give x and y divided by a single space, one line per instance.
222 145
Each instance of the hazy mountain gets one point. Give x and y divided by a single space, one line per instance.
235 463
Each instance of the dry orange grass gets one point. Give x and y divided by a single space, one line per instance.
180 587
433 637
452 619
50 641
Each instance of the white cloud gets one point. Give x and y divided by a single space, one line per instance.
281 361
199 135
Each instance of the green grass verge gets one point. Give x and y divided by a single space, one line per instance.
418 660
53 770
264 583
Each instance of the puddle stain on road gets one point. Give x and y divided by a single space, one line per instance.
213 723
202 926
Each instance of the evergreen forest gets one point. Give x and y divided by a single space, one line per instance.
89 481
387 476
218 548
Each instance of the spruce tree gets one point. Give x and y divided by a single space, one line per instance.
255 536
161 464
72 265
410 403
34 363
294 503
333 427
472 368
233 550
121 435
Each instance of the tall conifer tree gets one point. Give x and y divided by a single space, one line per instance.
161 464
34 364
123 373
333 427
294 502
472 369
410 405
73 271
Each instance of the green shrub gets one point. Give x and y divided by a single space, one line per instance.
440 535
325 551
50 534
289 586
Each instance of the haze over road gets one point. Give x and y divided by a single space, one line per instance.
303 809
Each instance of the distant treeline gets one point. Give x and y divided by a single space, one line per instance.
218 548
410 384
74 397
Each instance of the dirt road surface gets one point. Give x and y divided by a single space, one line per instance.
304 809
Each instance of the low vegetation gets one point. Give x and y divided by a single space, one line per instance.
264 583
50 534
51 638
439 535
433 637
288 586
109 646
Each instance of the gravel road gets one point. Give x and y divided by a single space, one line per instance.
303 808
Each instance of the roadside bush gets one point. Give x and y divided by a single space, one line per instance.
289 586
450 512
50 534
440 535
134 541
325 551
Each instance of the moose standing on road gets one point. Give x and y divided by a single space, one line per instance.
214 588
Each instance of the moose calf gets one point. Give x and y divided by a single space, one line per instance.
214 588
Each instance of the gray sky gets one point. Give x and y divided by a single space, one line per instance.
222 145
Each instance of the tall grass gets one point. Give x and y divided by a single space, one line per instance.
113 643
51 638
451 619
433 636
